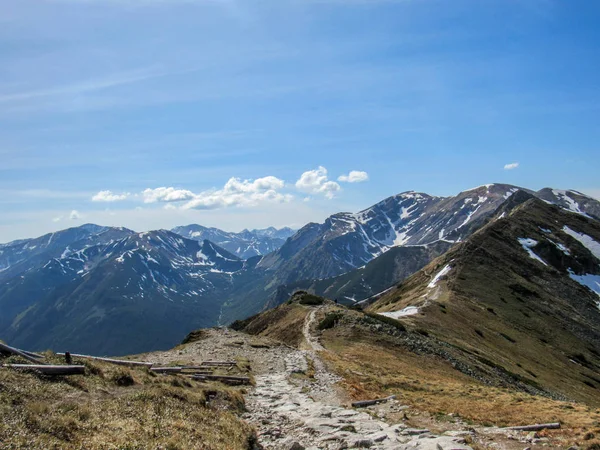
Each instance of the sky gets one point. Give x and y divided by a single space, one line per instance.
250 113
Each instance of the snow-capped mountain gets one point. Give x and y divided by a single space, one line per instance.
244 244
347 241
571 200
144 290
27 254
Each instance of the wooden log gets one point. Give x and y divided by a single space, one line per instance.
166 369
245 380
363 403
15 351
49 370
33 355
218 363
536 427
196 368
120 362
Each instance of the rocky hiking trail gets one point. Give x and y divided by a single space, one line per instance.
296 403
293 414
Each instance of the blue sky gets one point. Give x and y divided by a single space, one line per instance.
130 96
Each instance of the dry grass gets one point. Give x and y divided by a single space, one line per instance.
283 324
431 385
117 407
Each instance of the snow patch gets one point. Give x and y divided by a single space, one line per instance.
509 193
408 311
528 244
487 186
572 205
585 240
561 247
588 280
439 275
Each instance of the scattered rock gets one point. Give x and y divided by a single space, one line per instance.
531 436
363 443
414 431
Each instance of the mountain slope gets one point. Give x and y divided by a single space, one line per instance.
142 292
514 294
370 280
245 244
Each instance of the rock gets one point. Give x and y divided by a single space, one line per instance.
296 446
362 443
531 436
379 437
458 433
414 431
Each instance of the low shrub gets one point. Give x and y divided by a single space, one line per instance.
311 300
123 378
329 321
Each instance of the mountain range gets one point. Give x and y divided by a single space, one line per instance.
244 244
113 291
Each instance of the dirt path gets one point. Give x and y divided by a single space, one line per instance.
311 340
288 409
297 400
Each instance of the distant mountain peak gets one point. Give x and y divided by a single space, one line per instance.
244 244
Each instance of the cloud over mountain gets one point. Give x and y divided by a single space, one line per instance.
316 182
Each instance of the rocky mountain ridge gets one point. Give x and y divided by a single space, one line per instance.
112 279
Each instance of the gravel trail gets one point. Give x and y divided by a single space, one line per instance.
294 412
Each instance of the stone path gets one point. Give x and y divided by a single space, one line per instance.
292 412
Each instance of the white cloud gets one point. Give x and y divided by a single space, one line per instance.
511 166
355 176
109 196
166 194
316 182
260 184
74 215
237 192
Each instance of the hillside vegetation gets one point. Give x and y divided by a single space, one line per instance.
118 407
